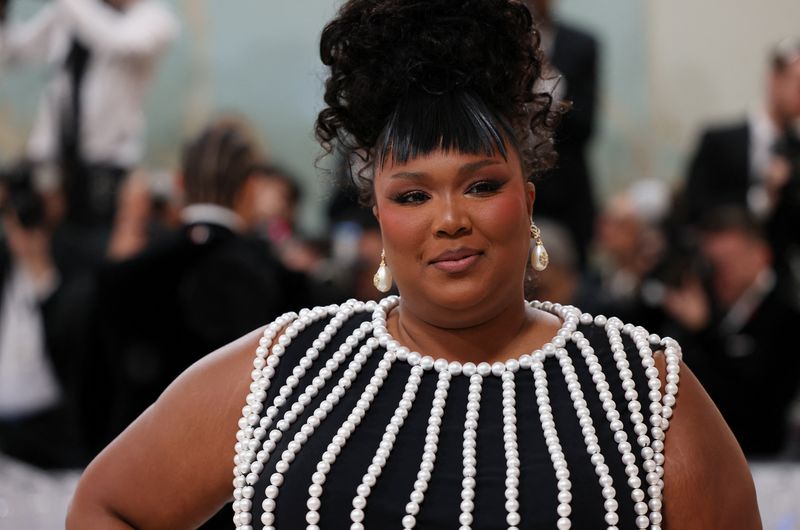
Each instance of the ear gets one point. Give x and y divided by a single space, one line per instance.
376 213
530 197
243 199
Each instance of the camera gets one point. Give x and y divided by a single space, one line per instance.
20 195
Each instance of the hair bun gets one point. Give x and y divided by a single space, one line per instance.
379 51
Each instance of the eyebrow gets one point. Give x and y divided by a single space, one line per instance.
470 167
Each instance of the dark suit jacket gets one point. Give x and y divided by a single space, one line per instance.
752 375
156 314
565 193
719 173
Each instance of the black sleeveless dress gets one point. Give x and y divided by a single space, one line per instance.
441 507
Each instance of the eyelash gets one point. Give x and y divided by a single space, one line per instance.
488 186
483 187
410 197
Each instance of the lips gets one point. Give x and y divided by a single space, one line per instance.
457 260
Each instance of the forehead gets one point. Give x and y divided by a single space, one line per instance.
448 163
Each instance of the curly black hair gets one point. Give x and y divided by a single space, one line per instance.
412 76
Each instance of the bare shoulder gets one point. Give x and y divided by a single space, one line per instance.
181 449
707 482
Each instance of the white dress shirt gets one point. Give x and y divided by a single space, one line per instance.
27 381
763 135
125 48
213 214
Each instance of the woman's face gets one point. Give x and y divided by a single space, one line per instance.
456 231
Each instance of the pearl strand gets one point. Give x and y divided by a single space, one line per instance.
612 415
590 438
385 447
429 454
661 409
262 374
242 516
262 377
469 451
315 419
654 471
287 389
612 328
344 432
551 439
511 450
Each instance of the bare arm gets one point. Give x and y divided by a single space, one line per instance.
172 467
29 41
707 482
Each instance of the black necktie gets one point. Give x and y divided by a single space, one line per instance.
74 178
75 64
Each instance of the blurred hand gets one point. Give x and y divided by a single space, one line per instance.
688 305
30 250
134 207
778 174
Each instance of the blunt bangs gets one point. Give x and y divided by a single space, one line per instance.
423 123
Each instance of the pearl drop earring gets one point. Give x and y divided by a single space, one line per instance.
383 277
539 257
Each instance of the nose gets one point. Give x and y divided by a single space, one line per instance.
452 219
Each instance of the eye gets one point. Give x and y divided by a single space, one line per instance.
410 197
485 187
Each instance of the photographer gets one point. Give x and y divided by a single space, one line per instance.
90 124
34 380
732 317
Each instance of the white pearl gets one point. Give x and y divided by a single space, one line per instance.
539 258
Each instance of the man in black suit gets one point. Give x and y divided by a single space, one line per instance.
738 334
209 283
565 194
737 164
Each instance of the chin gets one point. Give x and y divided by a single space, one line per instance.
453 305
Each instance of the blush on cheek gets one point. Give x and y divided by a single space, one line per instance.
507 213
402 230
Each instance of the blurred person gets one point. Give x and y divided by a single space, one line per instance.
35 379
784 193
209 280
272 202
185 295
750 163
629 242
737 331
566 193
90 125
268 206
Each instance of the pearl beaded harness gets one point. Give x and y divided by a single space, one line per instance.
262 425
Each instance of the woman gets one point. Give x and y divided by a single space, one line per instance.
459 404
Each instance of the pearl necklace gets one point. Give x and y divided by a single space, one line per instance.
259 433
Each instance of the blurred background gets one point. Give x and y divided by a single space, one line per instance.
185 179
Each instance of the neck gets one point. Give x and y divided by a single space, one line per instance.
515 330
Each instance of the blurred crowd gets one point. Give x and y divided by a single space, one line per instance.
112 281
713 261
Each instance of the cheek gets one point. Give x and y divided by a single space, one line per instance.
505 218
401 228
